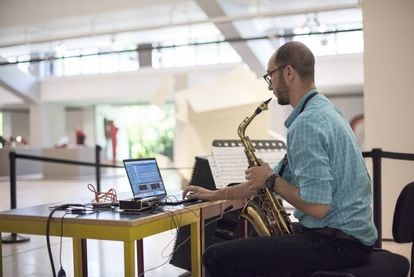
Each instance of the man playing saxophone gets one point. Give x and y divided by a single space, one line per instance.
323 176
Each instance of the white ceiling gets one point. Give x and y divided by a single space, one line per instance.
25 22
33 27
7 98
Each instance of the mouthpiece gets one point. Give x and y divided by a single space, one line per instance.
263 106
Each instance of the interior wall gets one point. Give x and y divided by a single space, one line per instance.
16 123
47 124
195 136
20 121
339 73
119 87
80 119
74 118
149 85
388 62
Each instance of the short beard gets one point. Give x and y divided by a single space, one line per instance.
282 92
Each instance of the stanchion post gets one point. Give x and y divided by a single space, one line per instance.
12 161
377 188
13 200
98 167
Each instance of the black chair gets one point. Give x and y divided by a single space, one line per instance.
403 224
383 263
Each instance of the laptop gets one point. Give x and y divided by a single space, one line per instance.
147 184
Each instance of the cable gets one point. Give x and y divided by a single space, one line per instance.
61 272
108 197
176 223
60 243
225 211
49 250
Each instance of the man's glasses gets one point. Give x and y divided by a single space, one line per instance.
268 76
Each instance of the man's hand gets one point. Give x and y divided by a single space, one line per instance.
196 192
256 176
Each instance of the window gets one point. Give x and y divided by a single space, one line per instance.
128 61
137 135
1 124
348 38
190 55
108 63
72 64
90 63
334 43
23 65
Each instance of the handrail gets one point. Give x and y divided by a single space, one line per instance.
13 238
97 164
377 154
12 160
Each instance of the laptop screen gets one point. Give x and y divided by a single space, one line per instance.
145 178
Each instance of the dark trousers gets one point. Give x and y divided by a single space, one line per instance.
289 255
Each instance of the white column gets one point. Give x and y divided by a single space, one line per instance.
388 92
47 124
89 125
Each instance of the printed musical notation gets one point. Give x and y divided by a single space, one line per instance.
228 162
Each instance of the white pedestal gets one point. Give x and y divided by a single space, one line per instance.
61 170
23 166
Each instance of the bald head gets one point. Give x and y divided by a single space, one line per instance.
299 56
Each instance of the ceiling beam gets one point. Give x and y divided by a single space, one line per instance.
212 19
213 9
22 85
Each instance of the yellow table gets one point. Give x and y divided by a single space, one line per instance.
105 225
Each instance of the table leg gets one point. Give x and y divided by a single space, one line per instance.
140 257
202 243
195 249
243 228
1 257
84 257
129 258
77 257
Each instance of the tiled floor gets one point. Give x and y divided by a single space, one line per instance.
105 258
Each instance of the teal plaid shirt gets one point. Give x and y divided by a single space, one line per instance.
325 162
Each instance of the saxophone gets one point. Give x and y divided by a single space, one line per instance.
263 210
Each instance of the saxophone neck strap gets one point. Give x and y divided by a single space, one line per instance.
285 159
307 100
284 164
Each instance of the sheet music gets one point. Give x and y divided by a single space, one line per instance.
228 164
215 172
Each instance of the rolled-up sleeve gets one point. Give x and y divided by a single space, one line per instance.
309 158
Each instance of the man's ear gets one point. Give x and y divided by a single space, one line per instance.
290 73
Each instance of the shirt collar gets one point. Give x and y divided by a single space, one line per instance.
296 111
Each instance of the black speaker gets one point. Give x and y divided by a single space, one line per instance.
226 228
202 175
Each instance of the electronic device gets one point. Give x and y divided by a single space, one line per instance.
216 229
147 185
137 204
202 175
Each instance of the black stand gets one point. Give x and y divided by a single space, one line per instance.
14 238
